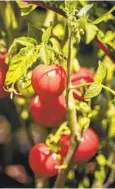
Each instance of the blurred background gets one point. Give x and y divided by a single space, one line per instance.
18 132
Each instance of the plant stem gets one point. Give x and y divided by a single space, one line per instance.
108 89
81 85
105 49
46 6
72 122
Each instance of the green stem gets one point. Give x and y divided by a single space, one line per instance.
108 89
81 85
72 123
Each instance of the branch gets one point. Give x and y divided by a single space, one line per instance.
46 6
99 43
105 49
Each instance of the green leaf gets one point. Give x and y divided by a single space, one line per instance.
24 41
44 53
25 8
93 90
101 72
105 17
91 31
46 35
84 10
20 63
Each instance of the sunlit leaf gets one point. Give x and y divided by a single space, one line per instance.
46 35
101 72
91 31
44 53
20 63
26 8
24 41
105 17
84 10
93 90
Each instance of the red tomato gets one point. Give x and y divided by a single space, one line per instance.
42 161
3 93
85 150
3 71
85 74
48 113
49 80
3 56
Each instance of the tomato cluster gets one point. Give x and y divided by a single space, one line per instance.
3 71
46 164
48 107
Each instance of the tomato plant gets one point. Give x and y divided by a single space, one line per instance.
60 74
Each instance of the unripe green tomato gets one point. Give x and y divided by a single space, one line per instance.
27 92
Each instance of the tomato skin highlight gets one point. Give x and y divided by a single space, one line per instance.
49 80
83 74
48 113
42 161
85 150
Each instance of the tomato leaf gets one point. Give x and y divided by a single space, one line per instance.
105 17
84 10
91 31
101 72
24 41
20 63
25 8
46 35
44 53
93 90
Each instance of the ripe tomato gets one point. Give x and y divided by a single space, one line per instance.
3 56
3 71
48 113
85 74
43 162
3 93
49 80
85 150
